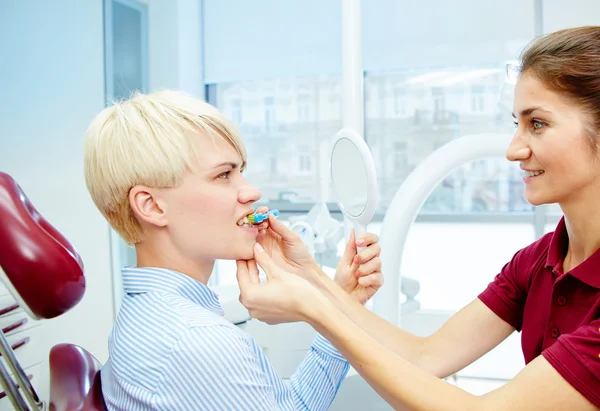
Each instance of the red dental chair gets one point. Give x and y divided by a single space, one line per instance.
44 274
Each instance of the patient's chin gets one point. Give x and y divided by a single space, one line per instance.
246 253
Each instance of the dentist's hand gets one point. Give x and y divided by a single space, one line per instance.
360 274
283 297
286 249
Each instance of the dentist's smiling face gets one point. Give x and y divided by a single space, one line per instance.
552 145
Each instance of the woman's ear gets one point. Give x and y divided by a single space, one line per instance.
147 206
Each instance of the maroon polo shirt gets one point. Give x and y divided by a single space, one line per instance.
557 313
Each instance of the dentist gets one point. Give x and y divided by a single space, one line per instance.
549 291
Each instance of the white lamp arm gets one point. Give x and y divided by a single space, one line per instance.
409 199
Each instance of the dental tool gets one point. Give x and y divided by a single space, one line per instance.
257 218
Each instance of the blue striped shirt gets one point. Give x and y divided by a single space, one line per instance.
171 349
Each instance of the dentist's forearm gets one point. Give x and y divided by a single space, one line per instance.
406 345
400 383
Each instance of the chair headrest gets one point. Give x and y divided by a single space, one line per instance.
42 269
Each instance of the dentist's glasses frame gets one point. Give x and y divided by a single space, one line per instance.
513 69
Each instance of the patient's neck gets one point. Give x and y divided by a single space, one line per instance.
161 255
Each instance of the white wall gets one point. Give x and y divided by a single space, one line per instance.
560 14
175 46
397 34
262 39
51 85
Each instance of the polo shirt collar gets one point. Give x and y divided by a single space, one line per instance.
587 272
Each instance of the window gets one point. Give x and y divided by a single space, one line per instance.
400 157
448 76
304 160
236 111
283 65
274 132
399 103
305 163
439 100
477 99
269 107
126 42
303 109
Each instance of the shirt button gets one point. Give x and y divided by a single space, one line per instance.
555 332
562 300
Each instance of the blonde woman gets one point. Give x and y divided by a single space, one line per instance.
166 170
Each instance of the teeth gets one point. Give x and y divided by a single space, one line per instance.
243 221
533 173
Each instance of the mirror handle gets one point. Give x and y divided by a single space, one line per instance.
359 229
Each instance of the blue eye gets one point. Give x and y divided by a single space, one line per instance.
224 176
516 124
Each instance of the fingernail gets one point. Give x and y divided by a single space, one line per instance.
357 274
355 260
258 248
360 242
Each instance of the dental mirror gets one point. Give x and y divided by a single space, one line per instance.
354 178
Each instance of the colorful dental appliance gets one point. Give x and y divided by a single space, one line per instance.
257 218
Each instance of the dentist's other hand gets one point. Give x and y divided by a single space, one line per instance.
360 274
286 249
283 297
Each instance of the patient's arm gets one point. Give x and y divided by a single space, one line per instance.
318 378
223 368
466 336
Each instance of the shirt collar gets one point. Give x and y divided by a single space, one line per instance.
138 280
587 272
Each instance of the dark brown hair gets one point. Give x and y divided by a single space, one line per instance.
568 62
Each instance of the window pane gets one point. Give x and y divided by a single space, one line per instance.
430 80
487 185
267 39
275 69
128 49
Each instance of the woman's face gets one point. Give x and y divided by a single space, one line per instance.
204 211
551 144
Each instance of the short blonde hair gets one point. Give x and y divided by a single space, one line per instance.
146 140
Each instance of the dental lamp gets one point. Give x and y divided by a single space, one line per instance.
409 199
320 232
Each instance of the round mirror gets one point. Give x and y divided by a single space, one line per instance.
349 177
354 178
